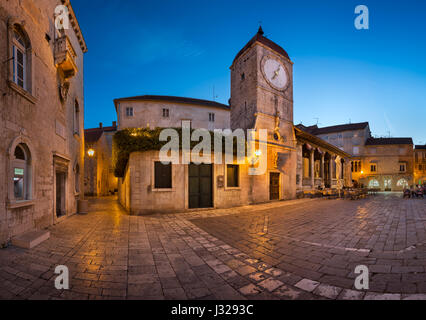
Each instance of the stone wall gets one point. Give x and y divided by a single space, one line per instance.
38 116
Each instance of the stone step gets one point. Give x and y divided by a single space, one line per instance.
31 239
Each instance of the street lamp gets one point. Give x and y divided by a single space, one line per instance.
91 153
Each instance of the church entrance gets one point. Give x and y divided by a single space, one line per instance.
274 186
200 186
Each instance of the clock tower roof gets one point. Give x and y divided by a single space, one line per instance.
259 37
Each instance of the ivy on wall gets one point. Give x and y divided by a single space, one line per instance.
143 139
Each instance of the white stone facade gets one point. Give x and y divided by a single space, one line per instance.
46 123
143 112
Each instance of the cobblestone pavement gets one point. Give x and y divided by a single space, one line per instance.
302 249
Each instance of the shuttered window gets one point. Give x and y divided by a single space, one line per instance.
163 175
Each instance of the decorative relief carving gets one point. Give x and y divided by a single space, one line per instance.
63 90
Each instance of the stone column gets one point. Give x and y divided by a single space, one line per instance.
299 170
322 170
312 165
330 168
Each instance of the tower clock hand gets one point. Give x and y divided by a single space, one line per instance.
276 73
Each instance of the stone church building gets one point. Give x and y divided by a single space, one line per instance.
261 98
41 116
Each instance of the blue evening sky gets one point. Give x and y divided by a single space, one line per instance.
185 48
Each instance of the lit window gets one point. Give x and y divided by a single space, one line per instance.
402 183
21 174
232 176
373 184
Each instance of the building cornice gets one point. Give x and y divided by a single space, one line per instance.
75 25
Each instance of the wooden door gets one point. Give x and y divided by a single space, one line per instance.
200 186
274 186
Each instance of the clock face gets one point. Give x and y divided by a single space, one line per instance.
275 73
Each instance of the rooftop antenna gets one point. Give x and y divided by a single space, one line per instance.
317 121
389 133
350 121
214 93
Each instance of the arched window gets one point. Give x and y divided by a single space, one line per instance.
374 184
20 62
21 166
402 183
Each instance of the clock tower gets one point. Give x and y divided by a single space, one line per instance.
262 88
262 98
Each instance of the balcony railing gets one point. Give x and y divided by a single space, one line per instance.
65 57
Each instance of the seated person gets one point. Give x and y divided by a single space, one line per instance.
419 192
413 191
407 193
